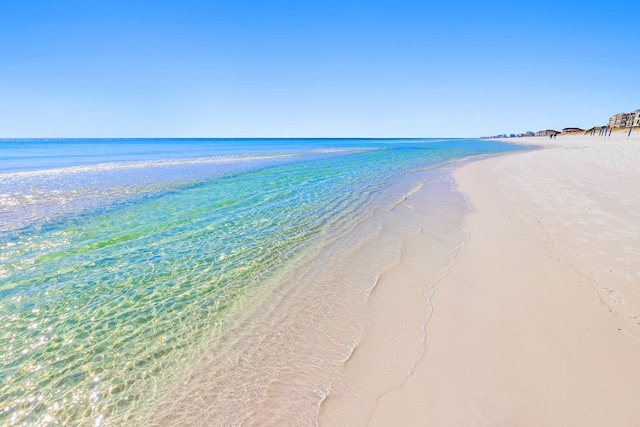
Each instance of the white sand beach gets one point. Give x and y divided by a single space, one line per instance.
538 324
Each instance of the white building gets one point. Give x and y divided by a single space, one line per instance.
625 120
635 121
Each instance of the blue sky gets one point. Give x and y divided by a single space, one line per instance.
314 68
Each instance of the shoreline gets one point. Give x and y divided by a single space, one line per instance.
538 323
289 295
324 352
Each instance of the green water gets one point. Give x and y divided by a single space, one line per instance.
100 308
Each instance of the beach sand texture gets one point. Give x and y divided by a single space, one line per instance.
538 324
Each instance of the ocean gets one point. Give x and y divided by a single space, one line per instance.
219 281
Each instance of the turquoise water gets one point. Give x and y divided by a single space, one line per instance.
119 258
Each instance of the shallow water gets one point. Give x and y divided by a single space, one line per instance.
233 281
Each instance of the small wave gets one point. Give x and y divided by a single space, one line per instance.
408 194
342 150
112 166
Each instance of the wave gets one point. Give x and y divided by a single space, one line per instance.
142 164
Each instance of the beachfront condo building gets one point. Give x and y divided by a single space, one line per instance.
572 130
547 132
625 120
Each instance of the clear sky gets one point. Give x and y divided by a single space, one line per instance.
450 68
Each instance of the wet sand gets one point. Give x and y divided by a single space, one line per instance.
538 323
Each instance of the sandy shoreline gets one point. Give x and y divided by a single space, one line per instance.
539 321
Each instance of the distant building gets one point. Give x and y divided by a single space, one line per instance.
619 120
625 120
529 133
635 121
547 132
572 130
